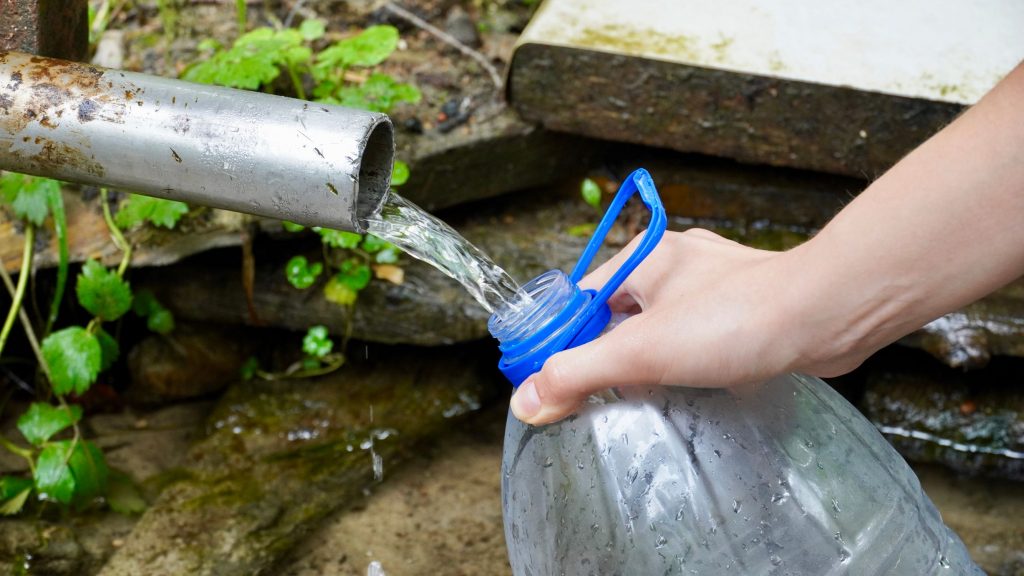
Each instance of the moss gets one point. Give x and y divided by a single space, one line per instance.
631 41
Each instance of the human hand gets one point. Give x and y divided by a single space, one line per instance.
706 312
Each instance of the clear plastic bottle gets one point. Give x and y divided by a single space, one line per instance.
785 478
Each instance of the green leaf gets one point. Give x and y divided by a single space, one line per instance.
158 211
41 421
372 244
110 350
250 368
399 173
161 321
338 292
591 193
582 229
158 318
368 48
312 29
89 468
10 486
344 287
384 252
317 343
354 274
14 492
292 226
387 256
53 476
338 238
255 59
28 195
145 303
74 357
300 273
380 93
102 292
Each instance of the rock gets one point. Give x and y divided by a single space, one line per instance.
526 237
282 455
145 444
193 360
493 154
972 423
971 336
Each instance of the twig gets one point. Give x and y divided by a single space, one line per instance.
291 13
449 40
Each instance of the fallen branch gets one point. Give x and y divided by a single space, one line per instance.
449 40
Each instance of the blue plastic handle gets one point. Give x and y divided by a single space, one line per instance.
639 181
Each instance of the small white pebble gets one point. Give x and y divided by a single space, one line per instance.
863 134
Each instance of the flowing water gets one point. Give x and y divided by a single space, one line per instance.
425 237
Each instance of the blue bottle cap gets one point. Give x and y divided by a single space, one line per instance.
572 316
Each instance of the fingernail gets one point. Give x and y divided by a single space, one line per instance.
526 402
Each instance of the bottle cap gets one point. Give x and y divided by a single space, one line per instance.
566 315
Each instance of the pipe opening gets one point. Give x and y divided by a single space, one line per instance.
375 171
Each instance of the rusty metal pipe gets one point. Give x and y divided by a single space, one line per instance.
309 163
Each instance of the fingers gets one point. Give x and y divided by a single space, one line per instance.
568 377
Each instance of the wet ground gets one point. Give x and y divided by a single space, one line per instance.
440 514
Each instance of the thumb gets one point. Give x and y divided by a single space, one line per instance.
567 378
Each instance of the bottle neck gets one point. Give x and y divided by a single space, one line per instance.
541 316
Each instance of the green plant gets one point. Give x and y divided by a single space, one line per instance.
590 191
70 471
257 59
342 74
318 358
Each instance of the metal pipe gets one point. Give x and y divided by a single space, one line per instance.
313 164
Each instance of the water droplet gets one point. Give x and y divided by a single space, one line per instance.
378 467
944 562
548 462
579 464
780 498
661 542
835 506
844 555
736 505
625 439
679 514
775 560
632 474
718 453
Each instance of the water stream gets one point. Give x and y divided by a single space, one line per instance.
428 239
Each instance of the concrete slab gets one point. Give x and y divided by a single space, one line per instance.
839 87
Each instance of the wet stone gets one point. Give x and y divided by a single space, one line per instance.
281 455
971 422
194 360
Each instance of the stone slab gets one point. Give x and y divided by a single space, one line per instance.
843 88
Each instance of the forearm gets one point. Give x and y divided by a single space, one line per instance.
942 228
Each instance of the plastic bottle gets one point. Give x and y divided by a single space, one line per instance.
784 478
